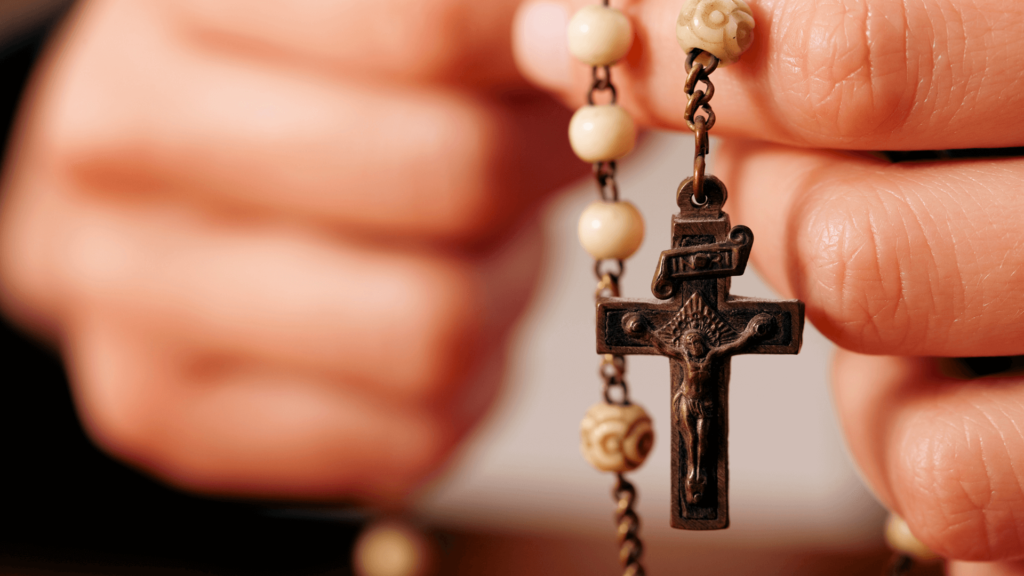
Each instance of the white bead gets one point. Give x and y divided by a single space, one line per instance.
601 133
612 230
901 539
724 28
390 548
616 438
599 35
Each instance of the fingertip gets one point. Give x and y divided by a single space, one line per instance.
539 44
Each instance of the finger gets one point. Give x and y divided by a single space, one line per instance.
910 259
944 453
855 74
442 40
402 322
254 429
211 127
986 569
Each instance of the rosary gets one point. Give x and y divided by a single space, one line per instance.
694 321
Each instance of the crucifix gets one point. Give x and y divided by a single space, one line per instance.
700 326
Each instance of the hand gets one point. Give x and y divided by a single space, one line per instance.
281 244
896 262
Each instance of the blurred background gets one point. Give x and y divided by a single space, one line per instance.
518 499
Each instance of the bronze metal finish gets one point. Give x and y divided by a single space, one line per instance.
630 547
700 326
613 366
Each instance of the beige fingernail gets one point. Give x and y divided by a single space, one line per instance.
539 44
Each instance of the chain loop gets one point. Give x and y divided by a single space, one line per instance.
700 150
699 115
699 100
607 185
613 274
609 397
630 547
601 83
613 371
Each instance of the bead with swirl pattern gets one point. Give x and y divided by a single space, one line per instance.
724 28
616 438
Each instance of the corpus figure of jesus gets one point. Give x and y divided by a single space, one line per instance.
695 403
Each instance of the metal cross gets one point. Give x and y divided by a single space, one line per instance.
700 326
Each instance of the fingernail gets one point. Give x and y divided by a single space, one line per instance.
539 44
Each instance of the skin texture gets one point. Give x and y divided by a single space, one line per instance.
223 213
280 254
897 263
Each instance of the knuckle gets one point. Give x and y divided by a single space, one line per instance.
960 497
468 195
835 86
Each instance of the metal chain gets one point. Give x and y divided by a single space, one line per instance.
604 172
613 372
700 118
698 113
630 547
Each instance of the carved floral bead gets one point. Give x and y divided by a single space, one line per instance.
902 540
611 230
724 28
601 133
616 438
599 35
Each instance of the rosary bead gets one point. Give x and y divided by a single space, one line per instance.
392 548
599 35
616 438
724 28
611 230
601 133
902 540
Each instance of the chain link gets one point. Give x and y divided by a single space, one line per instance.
601 83
630 546
698 113
900 565
613 371
604 172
